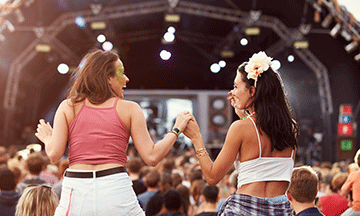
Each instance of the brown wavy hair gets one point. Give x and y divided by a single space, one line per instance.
91 80
273 111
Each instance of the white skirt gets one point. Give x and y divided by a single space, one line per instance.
107 195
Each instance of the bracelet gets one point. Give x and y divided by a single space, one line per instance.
201 152
177 131
173 133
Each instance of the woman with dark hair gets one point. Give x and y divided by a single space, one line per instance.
261 145
98 122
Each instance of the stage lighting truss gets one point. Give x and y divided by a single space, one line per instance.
347 28
6 8
287 36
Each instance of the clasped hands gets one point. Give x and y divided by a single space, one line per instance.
188 125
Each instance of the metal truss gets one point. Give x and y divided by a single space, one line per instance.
355 29
49 33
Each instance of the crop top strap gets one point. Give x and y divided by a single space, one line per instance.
258 136
116 100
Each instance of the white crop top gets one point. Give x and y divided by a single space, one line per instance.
264 168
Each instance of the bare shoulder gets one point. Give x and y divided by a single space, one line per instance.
66 105
128 104
240 125
242 128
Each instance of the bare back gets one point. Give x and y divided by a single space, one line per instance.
249 150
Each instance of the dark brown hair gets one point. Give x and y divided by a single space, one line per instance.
35 163
152 179
134 165
273 111
91 80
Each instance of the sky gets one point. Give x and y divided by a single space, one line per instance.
352 6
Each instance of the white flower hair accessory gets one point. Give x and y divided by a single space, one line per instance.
257 64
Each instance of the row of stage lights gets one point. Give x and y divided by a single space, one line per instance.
165 55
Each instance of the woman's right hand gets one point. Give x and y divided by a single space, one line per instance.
182 120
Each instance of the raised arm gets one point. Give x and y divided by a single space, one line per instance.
152 153
54 138
215 171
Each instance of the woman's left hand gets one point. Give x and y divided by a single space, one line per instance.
44 131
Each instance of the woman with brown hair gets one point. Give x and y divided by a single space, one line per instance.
98 122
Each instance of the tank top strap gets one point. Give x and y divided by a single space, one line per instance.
258 136
116 100
292 153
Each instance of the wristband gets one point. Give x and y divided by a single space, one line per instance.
177 131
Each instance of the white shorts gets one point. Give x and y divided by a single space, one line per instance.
107 195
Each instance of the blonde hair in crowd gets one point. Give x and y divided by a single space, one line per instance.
37 200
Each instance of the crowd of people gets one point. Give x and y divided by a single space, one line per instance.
102 174
176 186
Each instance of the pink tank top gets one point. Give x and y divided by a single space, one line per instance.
98 136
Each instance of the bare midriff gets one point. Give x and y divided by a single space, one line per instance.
268 189
94 166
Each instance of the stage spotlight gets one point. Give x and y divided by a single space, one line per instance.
165 55
43 48
346 35
227 54
107 46
336 30
101 38
252 31
98 25
10 26
357 57
171 29
175 18
222 63
290 58
215 68
169 37
80 22
63 68
19 16
244 41
351 46
275 65
301 44
327 21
